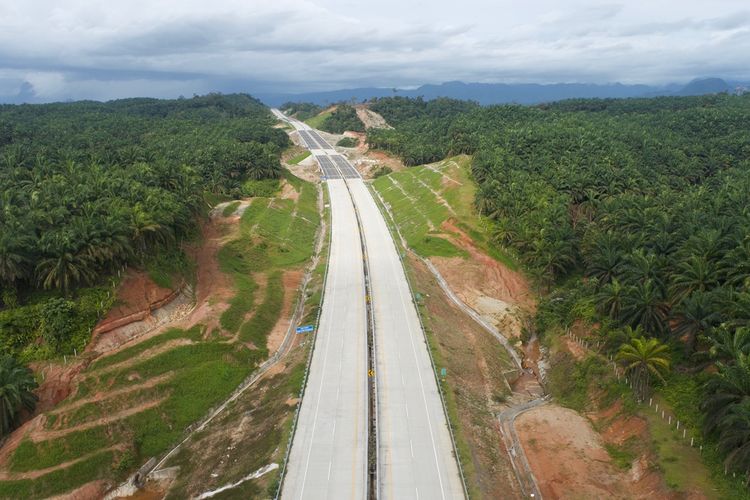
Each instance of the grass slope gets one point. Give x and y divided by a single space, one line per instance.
422 211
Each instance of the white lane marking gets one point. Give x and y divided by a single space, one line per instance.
395 273
325 362
406 405
417 490
402 381
329 469
411 447
424 394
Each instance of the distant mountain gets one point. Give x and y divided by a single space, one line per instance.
501 93
705 86
324 98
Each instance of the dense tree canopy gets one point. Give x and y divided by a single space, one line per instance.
647 199
343 118
87 188
301 110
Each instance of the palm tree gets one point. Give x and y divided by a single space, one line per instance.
734 436
735 265
604 259
643 358
640 267
16 386
14 255
726 345
63 266
694 274
729 386
694 316
644 305
609 299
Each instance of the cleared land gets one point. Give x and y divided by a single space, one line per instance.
433 207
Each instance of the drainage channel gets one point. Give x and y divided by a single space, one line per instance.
372 383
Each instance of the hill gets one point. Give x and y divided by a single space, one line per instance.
504 93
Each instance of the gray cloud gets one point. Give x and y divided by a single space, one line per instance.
87 49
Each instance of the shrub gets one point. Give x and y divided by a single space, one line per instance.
348 142
260 188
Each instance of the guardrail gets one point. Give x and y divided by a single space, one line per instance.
391 227
373 437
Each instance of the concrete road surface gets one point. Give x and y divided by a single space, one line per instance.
328 459
415 450
329 451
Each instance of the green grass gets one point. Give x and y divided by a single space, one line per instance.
205 374
416 218
260 188
622 456
298 158
682 465
173 333
196 389
230 208
168 269
317 121
682 397
231 319
570 382
60 481
92 411
266 315
32 456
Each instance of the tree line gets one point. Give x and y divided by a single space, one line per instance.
342 118
636 208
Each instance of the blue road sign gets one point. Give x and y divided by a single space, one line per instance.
305 329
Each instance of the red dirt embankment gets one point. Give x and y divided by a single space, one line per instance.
498 293
569 458
137 297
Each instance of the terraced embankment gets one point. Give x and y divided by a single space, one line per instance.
136 401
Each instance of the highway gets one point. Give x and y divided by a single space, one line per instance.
329 449
416 453
328 458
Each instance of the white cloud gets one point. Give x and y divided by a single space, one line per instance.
109 49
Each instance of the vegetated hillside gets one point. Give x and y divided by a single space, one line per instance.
633 216
342 118
301 110
135 401
503 93
87 188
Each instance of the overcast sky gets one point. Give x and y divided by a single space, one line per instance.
75 49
